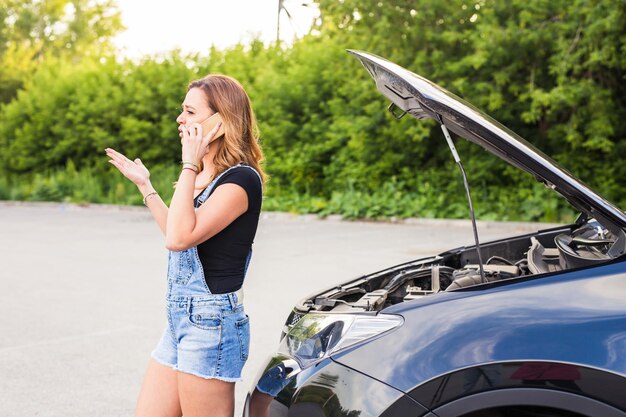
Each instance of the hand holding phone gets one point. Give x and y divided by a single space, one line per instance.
210 123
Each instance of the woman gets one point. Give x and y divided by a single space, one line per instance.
209 228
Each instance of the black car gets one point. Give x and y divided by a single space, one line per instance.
531 325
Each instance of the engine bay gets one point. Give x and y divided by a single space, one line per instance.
544 252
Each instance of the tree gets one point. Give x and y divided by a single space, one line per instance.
32 30
552 71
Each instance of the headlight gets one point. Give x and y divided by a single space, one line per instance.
317 336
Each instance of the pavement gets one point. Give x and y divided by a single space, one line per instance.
82 291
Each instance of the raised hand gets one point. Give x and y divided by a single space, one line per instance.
195 143
133 170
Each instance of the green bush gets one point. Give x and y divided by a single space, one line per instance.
551 71
85 186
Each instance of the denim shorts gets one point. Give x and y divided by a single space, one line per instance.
207 336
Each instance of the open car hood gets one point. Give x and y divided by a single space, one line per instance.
423 99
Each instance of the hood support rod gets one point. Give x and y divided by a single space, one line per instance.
457 159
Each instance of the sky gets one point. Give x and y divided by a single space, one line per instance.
196 25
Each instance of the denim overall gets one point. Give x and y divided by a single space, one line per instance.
208 335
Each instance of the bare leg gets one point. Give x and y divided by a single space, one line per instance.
260 404
200 397
159 393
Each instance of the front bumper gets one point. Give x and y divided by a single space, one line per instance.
324 389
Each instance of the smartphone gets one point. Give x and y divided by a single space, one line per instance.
210 123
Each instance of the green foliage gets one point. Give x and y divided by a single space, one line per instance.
553 72
75 112
35 31
85 185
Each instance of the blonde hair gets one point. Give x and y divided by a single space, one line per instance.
240 142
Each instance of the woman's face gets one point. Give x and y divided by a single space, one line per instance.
194 109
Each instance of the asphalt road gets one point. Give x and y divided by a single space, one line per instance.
82 290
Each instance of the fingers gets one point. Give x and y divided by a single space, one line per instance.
116 156
195 130
120 161
118 166
113 152
116 159
192 136
185 132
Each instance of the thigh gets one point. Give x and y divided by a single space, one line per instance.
201 397
159 393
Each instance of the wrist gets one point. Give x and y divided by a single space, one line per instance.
189 168
145 188
147 196
190 162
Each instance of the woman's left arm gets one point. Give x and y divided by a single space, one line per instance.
186 226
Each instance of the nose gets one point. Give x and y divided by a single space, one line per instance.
180 119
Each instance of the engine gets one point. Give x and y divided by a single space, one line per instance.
544 252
